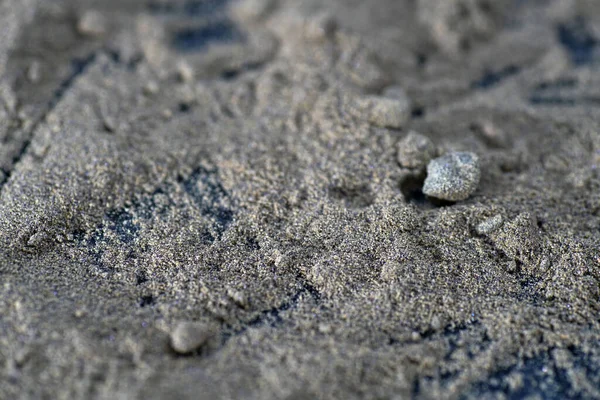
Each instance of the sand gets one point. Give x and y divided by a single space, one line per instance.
232 168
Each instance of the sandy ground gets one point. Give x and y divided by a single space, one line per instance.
210 200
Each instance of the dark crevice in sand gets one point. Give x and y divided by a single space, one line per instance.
141 277
208 193
421 59
541 376
528 285
411 187
451 332
198 38
231 74
577 39
117 58
79 66
272 317
353 197
418 112
190 8
493 78
94 244
565 101
564 83
122 223
19 155
183 108
3 176
147 300
416 388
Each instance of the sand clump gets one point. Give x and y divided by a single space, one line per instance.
490 225
415 151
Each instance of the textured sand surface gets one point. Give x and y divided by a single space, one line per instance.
210 199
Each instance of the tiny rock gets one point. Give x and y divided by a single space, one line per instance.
151 88
452 177
185 72
489 225
415 150
190 336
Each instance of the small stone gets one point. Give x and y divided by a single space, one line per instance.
415 150
80 313
387 112
92 24
185 72
22 356
190 336
489 225
167 114
325 329
321 26
110 125
151 88
452 177
37 239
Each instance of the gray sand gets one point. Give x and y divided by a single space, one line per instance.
233 167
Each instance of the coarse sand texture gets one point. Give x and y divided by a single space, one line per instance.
299 199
